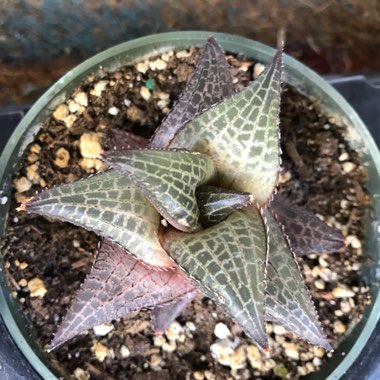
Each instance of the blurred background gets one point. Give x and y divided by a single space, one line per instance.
42 39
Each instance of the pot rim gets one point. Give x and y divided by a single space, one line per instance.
137 49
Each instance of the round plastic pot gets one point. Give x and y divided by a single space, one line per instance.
296 74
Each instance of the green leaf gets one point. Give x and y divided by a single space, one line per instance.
117 285
306 233
210 83
216 203
227 261
110 205
168 179
242 135
287 300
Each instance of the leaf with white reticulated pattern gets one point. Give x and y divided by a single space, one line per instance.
110 205
227 261
117 285
168 179
287 300
210 83
242 135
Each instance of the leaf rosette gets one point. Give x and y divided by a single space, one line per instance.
195 209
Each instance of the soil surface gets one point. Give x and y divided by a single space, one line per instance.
46 261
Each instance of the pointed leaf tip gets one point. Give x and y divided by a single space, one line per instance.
227 261
306 233
210 83
168 179
117 285
287 301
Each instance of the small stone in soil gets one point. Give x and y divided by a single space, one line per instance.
103 329
61 112
100 351
62 158
99 87
81 374
145 93
37 288
89 145
348 167
339 327
113 111
142 67
70 120
124 351
158 64
291 351
23 265
81 99
22 184
342 292
221 331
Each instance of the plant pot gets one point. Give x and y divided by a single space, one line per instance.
305 80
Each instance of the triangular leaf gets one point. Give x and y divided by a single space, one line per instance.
216 203
287 300
117 285
242 136
228 263
110 205
164 315
168 179
210 83
118 139
306 233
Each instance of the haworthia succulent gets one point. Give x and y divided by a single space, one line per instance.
306 233
210 137
210 83
287 300
242 135
110 205
216 204
168 179
227 261
117 285
164 315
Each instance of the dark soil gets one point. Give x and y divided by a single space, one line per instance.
320 170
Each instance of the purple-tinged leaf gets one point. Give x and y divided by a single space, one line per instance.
227 262
216 203
210 83
287 300
163 316
118 139
168 179
306 233
117 285
241 134
110 205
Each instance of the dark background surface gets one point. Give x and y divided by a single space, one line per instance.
40 40
364 96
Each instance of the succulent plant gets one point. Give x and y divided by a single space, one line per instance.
196 209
